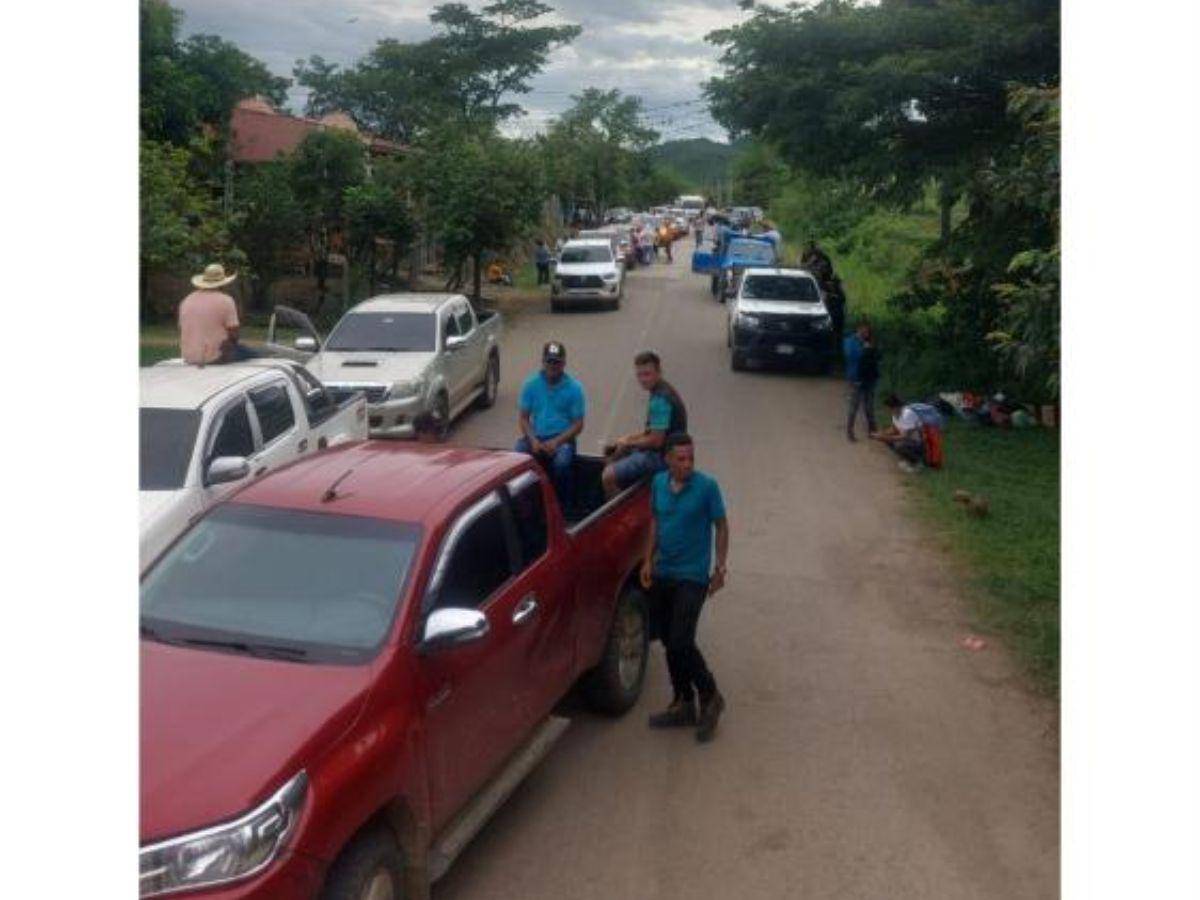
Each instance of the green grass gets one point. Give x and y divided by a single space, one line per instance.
1012 553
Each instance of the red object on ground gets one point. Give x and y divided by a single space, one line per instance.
406 735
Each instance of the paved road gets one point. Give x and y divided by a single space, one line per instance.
862 754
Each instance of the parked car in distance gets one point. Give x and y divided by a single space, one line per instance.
779 315
206 430
588 270
412 354
347 667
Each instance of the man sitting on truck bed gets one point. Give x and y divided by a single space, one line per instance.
552 407
641 453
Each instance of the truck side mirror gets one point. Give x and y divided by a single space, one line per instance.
306 344
225 469
452 627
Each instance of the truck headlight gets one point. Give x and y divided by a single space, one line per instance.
610 277
402 390
746 321
225 852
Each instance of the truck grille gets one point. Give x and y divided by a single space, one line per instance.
342 390
582 281
787 324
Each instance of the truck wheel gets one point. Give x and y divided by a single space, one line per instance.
370 868
491 383
441 415
714 285
737 361
613 687
556 305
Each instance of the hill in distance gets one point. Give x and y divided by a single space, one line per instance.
699 161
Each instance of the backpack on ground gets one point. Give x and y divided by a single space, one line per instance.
932 423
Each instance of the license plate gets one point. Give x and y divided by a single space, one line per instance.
785 349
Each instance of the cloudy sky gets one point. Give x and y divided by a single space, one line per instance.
652 48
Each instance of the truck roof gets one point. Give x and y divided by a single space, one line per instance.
175 384
786 273
391 480
406 303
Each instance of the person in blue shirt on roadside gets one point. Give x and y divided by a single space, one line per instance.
686 508
862 375
552 407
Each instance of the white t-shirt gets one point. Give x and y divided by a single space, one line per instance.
907 421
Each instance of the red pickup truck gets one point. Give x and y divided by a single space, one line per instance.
350 664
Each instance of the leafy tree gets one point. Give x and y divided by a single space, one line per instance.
597 149
463 73
222 75
322 168
270 224
167 110
180 226
891 94
758 175
480 193
374 210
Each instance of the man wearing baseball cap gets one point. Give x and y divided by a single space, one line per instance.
552 407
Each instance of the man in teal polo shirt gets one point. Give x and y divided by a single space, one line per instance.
686 508
552 407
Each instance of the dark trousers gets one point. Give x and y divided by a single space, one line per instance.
675 610
911 449
860 394
543 273
561 467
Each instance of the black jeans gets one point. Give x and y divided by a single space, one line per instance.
675 612
543 273
860 394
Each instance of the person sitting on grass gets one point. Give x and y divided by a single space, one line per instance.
904 435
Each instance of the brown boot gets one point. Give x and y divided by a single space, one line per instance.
710 712
680 714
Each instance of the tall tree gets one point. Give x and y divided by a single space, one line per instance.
758 175
892 93
222 74
167 103
480 193
463 73
322 168
269 225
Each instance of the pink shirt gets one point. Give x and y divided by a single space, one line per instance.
204 317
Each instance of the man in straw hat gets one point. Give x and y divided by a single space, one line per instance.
208 320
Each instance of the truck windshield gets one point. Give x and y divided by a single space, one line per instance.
586 255
306 586
390 331
755 253
167 437
780 287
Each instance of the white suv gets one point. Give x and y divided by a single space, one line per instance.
587 270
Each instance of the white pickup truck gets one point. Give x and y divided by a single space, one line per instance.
205 430
411 354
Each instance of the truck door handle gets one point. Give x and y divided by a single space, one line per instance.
258 473
303 444
526 608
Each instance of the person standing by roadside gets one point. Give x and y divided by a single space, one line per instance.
686 507
208 321
862 375
552 407
641 453
698 229
541 256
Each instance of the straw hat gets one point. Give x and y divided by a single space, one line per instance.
212 277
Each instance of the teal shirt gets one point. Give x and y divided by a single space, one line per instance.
658 418
685 526
552 408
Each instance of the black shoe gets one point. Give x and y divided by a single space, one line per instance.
680 714
710 712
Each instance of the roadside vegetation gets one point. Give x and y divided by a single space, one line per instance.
919 144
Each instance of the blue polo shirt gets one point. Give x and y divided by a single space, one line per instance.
685 525
552 408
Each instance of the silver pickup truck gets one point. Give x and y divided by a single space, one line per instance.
410 354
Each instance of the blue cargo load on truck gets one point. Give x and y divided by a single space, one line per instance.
740 252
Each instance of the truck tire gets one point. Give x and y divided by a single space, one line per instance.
714 285
491 383
613 687
737 361
555 305
370 867
441 415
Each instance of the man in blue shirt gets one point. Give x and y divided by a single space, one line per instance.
686 508
552 407
633 456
